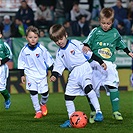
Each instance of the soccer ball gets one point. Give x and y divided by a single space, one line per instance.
78 119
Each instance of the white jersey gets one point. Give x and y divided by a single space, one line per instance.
70 57
35 62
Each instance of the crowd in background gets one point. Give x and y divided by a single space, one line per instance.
76 20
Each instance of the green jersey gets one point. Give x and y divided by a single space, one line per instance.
5 51
104 44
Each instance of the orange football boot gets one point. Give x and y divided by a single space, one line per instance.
44 110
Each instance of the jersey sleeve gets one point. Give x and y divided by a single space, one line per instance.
78 44
88 55
21 62
120 44
8 51
48 58
90 37
58 65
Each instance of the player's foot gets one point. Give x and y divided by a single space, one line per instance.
92 117
98 117
38 115
117 115
44 109
7 104
66 124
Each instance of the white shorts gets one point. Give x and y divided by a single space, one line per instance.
78 79
39 85
104 77
4 72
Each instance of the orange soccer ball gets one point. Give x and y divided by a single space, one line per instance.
78 119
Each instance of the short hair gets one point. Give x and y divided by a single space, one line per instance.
107 13
120 1
32 29
56 32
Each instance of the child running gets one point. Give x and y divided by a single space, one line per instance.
33 61
70 56
5 56
103 41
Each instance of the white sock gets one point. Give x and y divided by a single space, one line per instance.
94 100
70 107
35 102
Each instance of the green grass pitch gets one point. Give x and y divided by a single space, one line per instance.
19 118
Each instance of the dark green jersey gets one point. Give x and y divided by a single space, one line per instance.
5 50
104 44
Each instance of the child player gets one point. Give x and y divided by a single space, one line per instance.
33 61
5 56
70 56
103 41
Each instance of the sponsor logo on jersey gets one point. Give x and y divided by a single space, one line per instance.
37 55
100 43
72 52
105 53
27 54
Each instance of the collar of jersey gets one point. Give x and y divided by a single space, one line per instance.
66 45
33 48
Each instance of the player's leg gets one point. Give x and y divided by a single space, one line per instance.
3 79
70 109
94 100
112 83
36 105
114 98
6 96
93 112
43 101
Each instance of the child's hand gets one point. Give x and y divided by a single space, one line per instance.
53 78
85 49
23 79
104 66
131 54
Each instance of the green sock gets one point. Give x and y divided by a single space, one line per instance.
5 94
114 98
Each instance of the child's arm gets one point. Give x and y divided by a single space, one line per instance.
3 61
126 50
89 54
23 79
99 60
22 76
86 49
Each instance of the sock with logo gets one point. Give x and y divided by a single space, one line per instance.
114 98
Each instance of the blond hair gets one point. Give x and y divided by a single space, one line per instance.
32 29
107 13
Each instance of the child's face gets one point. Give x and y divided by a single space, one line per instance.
42 34
61 42
32 38
106 23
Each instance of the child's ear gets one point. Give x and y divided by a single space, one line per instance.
66 35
